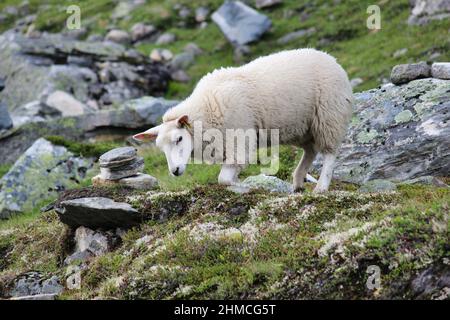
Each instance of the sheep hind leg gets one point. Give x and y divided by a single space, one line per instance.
309 154
326 174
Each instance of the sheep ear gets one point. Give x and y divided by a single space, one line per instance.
183 121
148 135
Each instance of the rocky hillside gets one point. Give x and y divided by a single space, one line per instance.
86 213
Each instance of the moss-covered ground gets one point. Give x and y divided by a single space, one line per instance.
208 242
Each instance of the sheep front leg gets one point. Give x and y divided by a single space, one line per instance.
326 174
229 174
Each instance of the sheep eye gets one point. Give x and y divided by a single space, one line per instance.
179 139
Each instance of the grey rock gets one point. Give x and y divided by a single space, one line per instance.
33 283
296 35
378 185
133 114
53 62
118 36
180 76
161 55
193 49
165 38
441 70
65 104
240 23
404 73
431 282
139 181
123 9
261 4
5 119
117 157
201 14
427 180
269 183
42 171
94 242
98 212
400 52
182 61
240 189
426 10
46 296
124 171
141 31
78 257
95 37
397 133
184 13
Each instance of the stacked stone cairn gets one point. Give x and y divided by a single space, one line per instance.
122 166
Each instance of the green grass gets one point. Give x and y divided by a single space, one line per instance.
363 53
4 168
83 148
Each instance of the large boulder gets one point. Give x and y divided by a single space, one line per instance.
398 133
41 172
240 23
426 10
132 115
53 62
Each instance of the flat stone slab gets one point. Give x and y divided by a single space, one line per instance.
125 171
117 157
141 181
98 212
45 296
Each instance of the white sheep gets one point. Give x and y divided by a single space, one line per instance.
304 93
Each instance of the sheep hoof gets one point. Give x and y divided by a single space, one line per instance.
318 190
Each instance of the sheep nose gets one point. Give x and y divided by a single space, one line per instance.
177 171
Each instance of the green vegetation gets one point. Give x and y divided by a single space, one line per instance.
204 241
221 245
340 30
4 168
83 148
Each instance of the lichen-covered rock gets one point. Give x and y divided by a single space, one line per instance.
378 185
133 114
42 171
240 23
269 183
33 284
426 10
53 62
398 133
